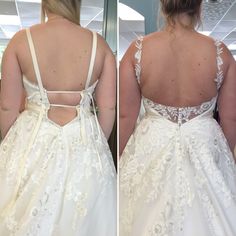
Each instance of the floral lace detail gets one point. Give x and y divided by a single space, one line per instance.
70 169
169 172
179 115
165 226
219 76
138 56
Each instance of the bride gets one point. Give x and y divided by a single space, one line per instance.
177 170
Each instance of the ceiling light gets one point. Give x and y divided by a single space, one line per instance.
36 1
214 1
9 34
127 13
232 46
207 33
9 20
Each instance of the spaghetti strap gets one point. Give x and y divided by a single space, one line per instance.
35 62
92 60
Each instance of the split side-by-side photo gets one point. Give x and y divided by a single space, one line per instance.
117 118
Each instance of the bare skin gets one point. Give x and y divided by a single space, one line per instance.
178 69
63 51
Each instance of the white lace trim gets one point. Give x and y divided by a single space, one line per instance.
138 56
219 76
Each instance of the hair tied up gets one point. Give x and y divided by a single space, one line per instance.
172 8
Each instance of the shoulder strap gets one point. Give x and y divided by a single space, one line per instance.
92 60
138 57
35 62
219 61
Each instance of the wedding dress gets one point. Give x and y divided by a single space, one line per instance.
56 180
177 173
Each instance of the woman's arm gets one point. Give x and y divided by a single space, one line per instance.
12 91
129 98
106 93
227 101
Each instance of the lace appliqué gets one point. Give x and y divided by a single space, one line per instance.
138 56
155 169
179 115
165 226
219 76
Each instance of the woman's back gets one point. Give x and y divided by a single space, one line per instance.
63 52
179 68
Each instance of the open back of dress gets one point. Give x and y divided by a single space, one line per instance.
47 98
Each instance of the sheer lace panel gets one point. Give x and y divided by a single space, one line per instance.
179 115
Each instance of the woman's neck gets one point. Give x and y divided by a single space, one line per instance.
181 22
52 17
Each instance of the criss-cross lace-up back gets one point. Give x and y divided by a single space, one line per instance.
180 115
39 95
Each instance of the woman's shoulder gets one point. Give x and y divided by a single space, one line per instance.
148 39
223 54
20 37
17 40
220 46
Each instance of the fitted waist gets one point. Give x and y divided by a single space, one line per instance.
179 118
180 115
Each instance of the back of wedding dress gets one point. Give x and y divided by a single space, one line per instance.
56 170
177 171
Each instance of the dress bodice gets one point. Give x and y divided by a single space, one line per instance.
32 91
180 115
34 96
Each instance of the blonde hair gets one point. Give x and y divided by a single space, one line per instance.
172 8
70 9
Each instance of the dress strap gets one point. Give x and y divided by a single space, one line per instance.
92 60
35 62
219 61
138 57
